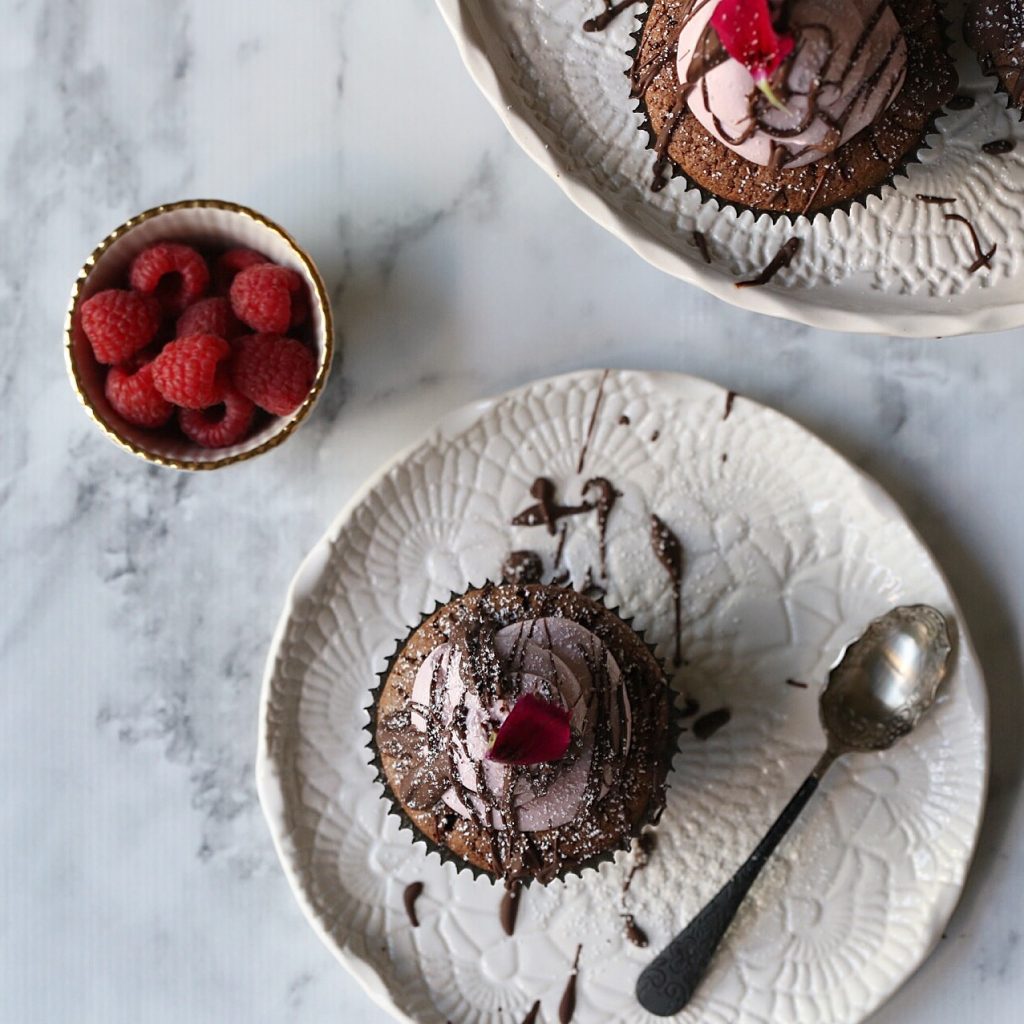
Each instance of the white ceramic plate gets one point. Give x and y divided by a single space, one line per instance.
790 551
892 267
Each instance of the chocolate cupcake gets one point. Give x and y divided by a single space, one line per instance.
524 731
995 29
791 107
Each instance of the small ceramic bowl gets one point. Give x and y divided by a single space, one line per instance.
206 223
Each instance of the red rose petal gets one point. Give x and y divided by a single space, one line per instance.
535 732
748 35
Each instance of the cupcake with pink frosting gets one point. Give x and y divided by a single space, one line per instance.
789 106
524 730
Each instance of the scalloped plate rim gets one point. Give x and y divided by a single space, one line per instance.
783 305
267 770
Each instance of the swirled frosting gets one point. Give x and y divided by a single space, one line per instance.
846 69
557 660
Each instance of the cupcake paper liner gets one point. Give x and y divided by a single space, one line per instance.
899 170
447 856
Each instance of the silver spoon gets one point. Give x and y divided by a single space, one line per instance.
877 693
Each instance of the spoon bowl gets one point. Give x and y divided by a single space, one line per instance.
885 680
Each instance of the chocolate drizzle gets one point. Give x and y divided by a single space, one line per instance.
797 684
935 200
707 725
982 258
531 1016
782 259
645 845
510 905
669 552
606 497
547 512
412 893
567 1005
611 11
730 401
593 422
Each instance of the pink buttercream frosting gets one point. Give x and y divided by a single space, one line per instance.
551 658
848 65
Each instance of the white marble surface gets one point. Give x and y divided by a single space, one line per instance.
136 876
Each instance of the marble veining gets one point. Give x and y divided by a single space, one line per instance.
136 875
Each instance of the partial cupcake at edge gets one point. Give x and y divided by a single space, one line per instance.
790 107
524 730
995 29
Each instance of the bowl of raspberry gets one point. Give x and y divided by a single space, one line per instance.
199 334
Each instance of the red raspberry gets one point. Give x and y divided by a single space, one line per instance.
175 273
224 424
119 323
230 263
261 297
274 372
185 372
134 396
209 316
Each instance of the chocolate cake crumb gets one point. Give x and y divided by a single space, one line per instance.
522 567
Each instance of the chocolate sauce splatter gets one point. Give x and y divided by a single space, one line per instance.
961 101
634 932
510 905
725 457
561 579
730 401
522 567
531 1017
547 512
935 200
670 553
567 1006
611 11
655 436
624 420
701 241
797 684
779 261
593 421
982 258
603 502
707 725
999 147
409 898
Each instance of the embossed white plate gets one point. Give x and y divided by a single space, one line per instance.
892 267
790 551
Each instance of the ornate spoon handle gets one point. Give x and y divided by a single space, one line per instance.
668 984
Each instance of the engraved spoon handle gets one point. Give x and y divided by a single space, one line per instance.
668 984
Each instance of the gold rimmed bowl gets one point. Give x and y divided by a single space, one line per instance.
207 224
